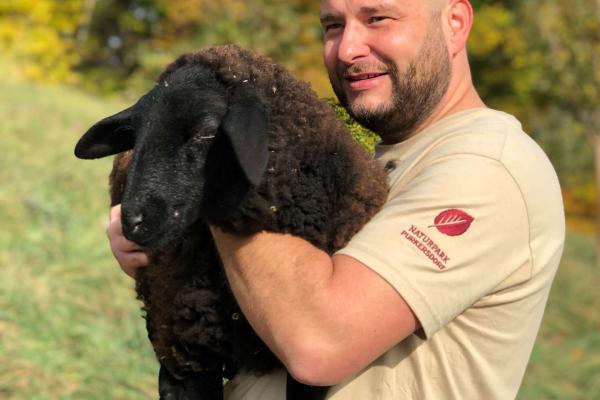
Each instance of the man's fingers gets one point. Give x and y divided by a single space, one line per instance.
119 243
132 261
115 213
129 255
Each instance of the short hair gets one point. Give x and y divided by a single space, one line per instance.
436 5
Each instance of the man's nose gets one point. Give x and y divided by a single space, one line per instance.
353 45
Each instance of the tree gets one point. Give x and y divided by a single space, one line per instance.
133 40
540 61
569 34
38 38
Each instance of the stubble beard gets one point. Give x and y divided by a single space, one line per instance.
415 93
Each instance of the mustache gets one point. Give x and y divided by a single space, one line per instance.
364 67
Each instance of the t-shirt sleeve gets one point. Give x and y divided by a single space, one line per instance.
447 236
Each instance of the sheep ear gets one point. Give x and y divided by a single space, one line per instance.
111 135
245 124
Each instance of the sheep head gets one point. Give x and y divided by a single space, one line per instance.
190 132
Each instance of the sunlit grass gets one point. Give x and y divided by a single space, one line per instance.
69 325
565 363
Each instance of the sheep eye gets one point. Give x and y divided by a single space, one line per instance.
201 139
205 137
205 130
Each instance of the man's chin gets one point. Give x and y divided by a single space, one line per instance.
361 108
364 106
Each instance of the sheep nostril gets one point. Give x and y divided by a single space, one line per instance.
135 222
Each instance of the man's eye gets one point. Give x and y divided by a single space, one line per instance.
377 18
332 26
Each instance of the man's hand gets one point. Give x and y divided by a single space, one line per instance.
128 254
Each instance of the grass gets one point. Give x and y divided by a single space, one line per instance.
565 363
69 325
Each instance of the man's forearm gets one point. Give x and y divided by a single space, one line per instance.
280 282
325 317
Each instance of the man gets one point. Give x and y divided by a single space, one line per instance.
441 295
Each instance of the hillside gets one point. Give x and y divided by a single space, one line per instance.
69 325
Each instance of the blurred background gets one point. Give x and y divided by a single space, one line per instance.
70 327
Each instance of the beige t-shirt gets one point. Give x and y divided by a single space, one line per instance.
471 237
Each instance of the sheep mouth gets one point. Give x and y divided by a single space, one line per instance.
152 237
141 236
157 241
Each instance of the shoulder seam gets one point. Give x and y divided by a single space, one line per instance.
501 160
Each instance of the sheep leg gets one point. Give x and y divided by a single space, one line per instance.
297 391
193 387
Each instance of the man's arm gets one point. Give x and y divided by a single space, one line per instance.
326 318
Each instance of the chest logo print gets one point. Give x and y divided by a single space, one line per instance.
452 222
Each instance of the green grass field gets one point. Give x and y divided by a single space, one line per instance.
69 325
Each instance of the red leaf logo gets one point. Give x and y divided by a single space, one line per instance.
452 222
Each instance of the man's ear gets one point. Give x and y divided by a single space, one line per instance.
459 19
245 125
111 135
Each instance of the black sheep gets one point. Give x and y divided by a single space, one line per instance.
229 138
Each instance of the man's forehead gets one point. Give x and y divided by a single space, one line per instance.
332 5
378 4
360 3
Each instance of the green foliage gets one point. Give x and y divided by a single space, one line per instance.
39 38
570 39
540 61
502 64
113 34
361 134
289 32
567 93
153 32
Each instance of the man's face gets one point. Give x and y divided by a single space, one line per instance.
387 62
